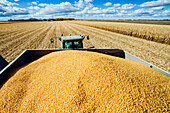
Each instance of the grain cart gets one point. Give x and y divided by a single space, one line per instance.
68 42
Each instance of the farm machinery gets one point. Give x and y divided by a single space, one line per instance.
68 42
72 41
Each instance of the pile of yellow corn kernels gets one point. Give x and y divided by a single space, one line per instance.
80 81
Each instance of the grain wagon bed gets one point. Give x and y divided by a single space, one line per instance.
29 56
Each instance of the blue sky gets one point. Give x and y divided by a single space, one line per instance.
85 9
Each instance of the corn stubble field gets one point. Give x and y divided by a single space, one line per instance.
16 37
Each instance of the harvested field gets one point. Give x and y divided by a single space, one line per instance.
157 33
85 82
16 37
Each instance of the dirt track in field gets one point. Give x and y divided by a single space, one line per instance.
38 35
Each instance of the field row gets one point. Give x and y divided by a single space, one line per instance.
157 33
37 35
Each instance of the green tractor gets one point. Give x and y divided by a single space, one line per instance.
72 41
75 41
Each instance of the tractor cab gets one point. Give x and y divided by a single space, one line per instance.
72 41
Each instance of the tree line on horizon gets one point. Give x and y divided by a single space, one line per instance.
35 19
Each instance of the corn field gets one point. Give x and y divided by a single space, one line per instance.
157 33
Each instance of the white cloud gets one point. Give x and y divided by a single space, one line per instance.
63 8
155 3
87 1
139 11
83 12
166 12
157 8
35 3
43 4
80 3
142 12
128 6
89 5
97 11
9 9
14 10
16 0
109 10
94 12
116 5
34 7
148 13
108 4
79 8
123 11
5 2
83 4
